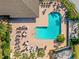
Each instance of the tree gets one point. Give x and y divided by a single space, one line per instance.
32 55
60 38
6 57
0 53
6 52
71 12
4 44
41 52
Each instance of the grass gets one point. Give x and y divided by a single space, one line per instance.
77 51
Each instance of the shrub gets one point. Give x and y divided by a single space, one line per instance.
74 41
24 56
17 54
41 52
60 38
32 55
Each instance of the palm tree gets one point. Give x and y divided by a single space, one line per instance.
17 55
24 56
41 52
32 55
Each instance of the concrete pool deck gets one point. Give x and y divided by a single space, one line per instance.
42 20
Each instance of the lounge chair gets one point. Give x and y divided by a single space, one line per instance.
44 11
17 35
45 47
18 32
23 50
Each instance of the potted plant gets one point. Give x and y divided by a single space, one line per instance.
60 38
41 52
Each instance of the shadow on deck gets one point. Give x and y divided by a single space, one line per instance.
22 20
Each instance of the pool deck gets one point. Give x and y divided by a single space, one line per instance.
42 20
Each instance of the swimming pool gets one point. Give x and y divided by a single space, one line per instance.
53 29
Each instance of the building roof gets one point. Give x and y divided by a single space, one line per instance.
19 8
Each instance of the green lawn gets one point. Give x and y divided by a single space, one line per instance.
77 51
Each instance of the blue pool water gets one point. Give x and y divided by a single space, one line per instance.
52 30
